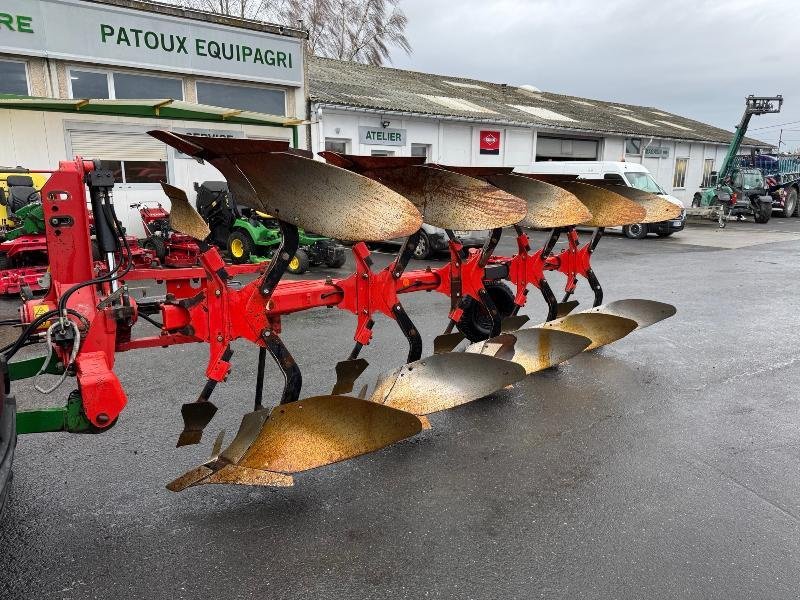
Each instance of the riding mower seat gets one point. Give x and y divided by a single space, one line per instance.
20 192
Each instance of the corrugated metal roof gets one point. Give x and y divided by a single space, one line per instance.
363 86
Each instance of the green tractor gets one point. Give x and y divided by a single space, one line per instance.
251 236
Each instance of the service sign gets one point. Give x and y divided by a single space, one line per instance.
656 152
490 142
110 35
378 136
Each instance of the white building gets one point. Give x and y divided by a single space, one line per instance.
362 109
104 72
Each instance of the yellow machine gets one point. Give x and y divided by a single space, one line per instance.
17 175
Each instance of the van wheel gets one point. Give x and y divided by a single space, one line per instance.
636 231
423 249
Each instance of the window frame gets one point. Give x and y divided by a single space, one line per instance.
109 73
639 141
685 161
706 181
428 149
243 84
346 141
26 66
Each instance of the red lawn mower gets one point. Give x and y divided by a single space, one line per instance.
171 248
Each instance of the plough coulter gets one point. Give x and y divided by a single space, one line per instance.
485 344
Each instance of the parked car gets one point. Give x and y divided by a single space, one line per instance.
625 173
434 239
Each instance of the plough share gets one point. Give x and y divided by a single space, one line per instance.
88 314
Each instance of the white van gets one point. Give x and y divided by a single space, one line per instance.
625 173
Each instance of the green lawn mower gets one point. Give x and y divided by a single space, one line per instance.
250 236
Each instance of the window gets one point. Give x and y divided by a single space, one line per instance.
633 146
243 97
382 153
136 171
679 179
615 178
13 78
89 84
132 86
643 181
336 145
120 85
708 168
423 150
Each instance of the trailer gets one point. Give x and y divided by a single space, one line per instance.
781 179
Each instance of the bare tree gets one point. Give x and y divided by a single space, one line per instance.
246 9
356 30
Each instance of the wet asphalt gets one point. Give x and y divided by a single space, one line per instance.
663 466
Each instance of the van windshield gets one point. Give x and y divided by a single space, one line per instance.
644 182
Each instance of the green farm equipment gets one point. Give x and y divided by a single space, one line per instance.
736 191
252 236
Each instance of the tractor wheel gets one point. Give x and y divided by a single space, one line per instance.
423 249
158 245
240 247
476 324
696 200
762 213
299 263
790 204
338 261
637 231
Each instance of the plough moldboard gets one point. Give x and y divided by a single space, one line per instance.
88 315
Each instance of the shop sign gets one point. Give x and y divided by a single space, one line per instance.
378 136
490 142
111 35
210 133
656 152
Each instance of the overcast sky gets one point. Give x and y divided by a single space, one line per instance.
695 58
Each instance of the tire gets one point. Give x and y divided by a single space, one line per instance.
762 213
664 234
240 247
158 245
790 204
637 231
696 200
475 323
423 249
299 264
338 261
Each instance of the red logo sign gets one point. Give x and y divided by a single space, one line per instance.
490 142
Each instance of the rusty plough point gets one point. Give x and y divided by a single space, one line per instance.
608 208
535 349
302 435
602 329
565 308
657 209
444 381
644 312
304 192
